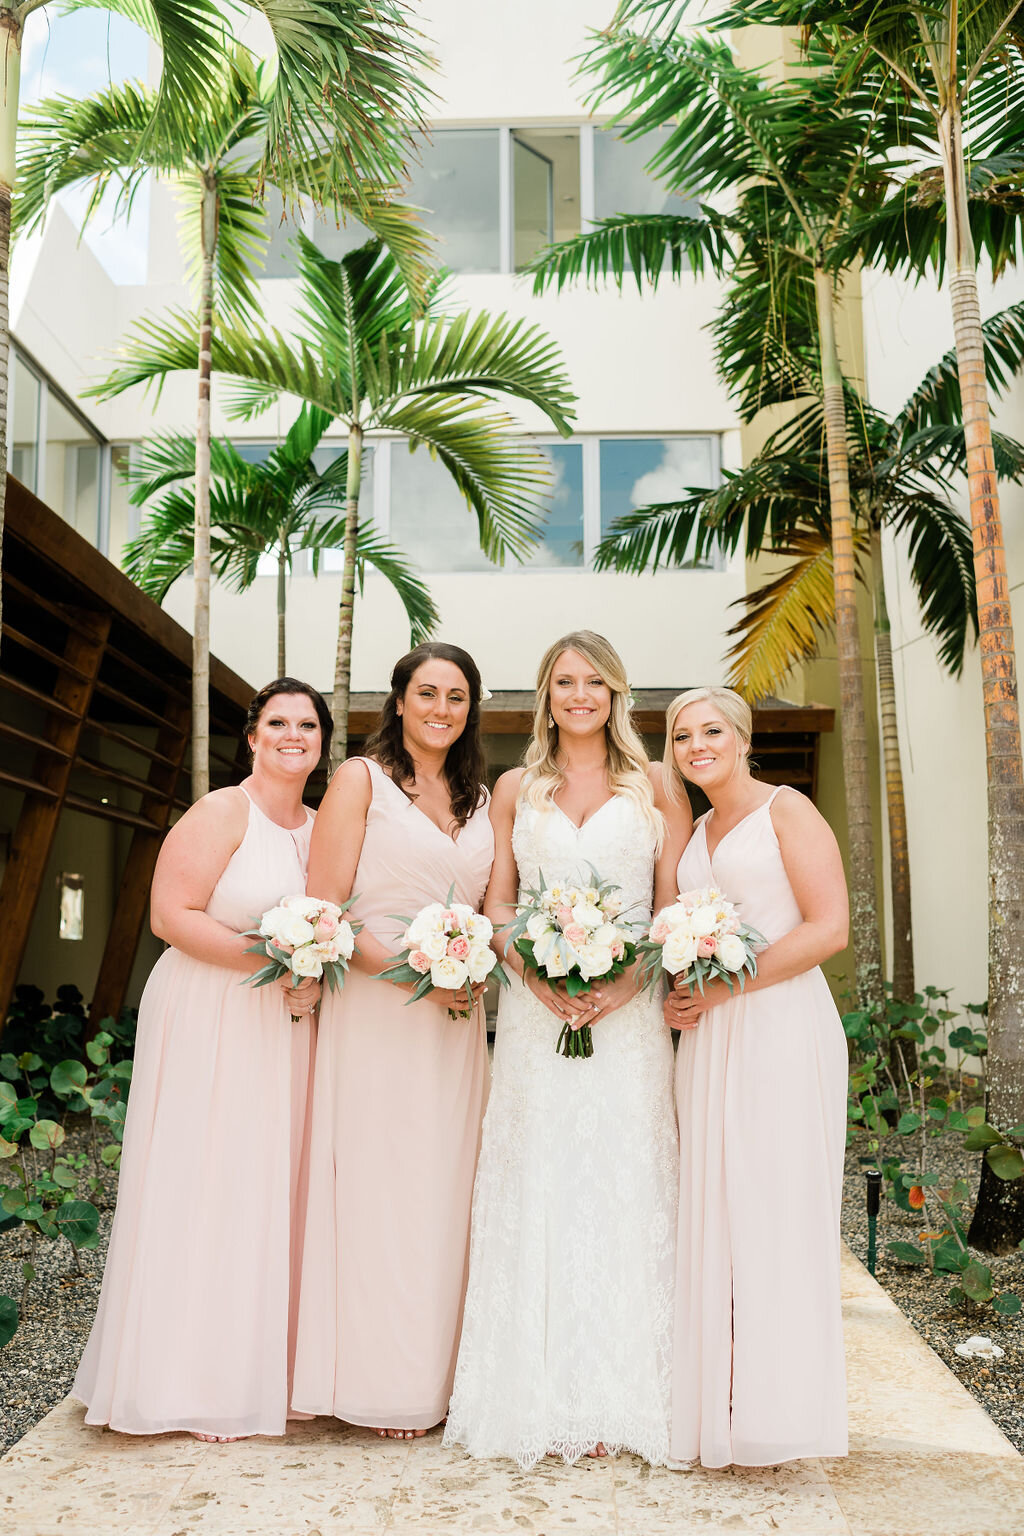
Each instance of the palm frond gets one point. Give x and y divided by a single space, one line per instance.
942 570
481 354
65 141
505 481
785 620
936 400
649 245
420 609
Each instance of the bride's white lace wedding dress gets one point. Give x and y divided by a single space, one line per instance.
567 1332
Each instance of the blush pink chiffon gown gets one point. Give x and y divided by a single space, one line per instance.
398 1102
195 1326
758 1369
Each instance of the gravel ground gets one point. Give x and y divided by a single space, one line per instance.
38 1366
997 1384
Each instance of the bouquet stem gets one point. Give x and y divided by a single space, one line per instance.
575 1042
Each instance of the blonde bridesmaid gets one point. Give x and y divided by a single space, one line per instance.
758 1369
400 1087
195 1326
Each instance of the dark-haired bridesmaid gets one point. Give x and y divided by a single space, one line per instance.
195 1325
400 1087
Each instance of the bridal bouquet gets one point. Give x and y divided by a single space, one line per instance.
699 936
446 945
569 933
304 936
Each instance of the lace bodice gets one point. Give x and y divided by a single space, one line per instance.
616 841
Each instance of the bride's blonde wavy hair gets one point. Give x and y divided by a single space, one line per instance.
628 763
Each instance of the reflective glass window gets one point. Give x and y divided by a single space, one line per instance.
24 429
621 185
454 179
431 523
639 471
545 189
72 469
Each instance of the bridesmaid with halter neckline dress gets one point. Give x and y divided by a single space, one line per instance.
195 1325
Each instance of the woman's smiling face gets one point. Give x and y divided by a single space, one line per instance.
435 706
579 698
705 747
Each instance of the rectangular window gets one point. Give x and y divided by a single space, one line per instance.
456 183
430 521
563 530
640 471
545 189
72 469
432 524
24 429
621 185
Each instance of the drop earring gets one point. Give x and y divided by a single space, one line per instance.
551 721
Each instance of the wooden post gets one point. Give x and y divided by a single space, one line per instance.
137 876
37 825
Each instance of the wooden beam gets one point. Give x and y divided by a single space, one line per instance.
40 812
137 876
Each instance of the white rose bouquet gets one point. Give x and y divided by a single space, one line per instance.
304 936
569 933
699 936
446 946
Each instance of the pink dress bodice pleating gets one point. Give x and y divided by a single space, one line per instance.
399 1098
758 1368
195 1326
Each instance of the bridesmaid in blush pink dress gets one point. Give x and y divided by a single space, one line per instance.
195 1327
400 1087
758 1367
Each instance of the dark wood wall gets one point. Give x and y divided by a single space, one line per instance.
94 720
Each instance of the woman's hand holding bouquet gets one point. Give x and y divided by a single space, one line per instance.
306 938
446 948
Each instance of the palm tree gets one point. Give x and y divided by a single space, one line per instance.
279 508
363 355
348 80
790 163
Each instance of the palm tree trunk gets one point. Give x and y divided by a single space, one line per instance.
9 88
343 662
863 895
282 598
998 1222
896 809
201 621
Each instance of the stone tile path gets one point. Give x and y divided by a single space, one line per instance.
925 1460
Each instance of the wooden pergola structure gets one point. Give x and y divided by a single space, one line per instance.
95 720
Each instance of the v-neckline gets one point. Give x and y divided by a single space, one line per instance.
411 803
729 833
578 826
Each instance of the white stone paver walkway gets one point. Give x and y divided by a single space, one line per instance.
925 1460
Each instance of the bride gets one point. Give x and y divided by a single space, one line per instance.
566 1345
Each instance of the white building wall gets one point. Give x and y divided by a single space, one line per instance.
907 329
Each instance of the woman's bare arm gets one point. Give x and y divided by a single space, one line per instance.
194 855
814 868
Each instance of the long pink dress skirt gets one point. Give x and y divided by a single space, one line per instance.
758 1371
398 1103
195 1326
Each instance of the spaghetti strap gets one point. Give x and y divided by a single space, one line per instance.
774 792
